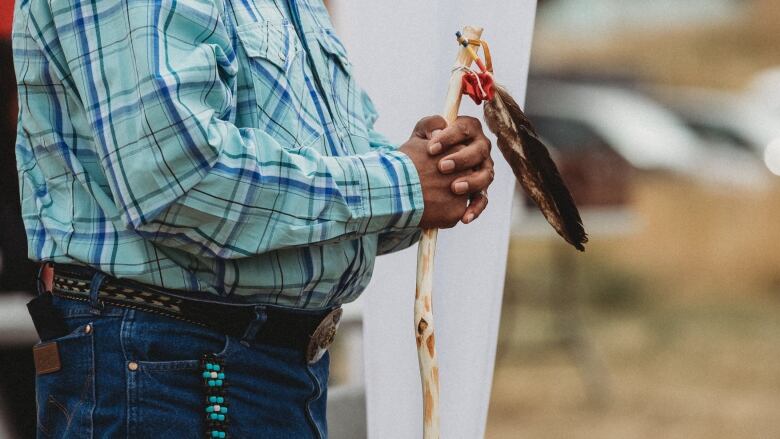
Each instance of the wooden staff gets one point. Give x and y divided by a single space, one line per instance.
423 315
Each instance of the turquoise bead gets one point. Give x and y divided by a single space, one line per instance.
221 376
216 367
214 433
222 434
218 382
220 399
209 409
223 409
221 417
212 383
214 416
206 374
209 366
213 399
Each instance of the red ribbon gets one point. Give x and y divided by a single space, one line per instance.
478 86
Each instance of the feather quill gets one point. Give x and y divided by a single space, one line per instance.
531 163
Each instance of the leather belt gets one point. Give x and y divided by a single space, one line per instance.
311 332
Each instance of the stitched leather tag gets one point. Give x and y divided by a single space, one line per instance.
47 358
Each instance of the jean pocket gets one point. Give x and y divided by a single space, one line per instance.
65 398
165 383
166 400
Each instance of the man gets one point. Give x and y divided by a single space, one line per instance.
205 178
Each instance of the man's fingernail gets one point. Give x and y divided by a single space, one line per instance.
435 148
469 218
461 187
447 165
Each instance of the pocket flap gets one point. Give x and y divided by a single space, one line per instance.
275 42
331 44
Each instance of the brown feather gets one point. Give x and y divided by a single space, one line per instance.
533 167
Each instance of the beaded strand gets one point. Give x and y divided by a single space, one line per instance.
214 384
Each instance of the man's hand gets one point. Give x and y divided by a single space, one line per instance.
454 166
466 153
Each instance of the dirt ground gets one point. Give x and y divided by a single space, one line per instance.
695 371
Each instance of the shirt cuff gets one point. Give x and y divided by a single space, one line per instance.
389 190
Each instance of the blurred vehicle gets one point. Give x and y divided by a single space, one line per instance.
648 136
635 127
721 117
729 119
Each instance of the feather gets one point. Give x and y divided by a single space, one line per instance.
531 163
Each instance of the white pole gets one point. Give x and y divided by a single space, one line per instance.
471 260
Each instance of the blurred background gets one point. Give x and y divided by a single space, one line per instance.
17 403
665 120
665 116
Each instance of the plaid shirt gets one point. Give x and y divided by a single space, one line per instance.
213 146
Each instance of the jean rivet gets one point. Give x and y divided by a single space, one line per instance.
133 366
88 329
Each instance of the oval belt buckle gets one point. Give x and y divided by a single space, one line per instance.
323 336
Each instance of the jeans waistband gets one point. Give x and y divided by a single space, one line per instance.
259 323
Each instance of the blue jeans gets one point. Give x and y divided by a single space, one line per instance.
128 373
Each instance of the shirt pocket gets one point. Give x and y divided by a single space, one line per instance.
276 63
341 85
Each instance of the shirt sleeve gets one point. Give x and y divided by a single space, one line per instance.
156 79
390 241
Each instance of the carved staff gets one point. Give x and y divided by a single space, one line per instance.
423 316
531 163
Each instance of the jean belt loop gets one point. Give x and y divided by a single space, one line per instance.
255 325
43 280
94 292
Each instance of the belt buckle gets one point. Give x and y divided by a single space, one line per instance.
323 336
